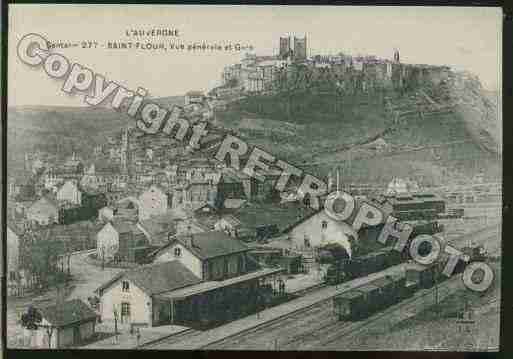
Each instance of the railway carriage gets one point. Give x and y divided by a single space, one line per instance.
424 276
349 305
392 256
387 292
371 298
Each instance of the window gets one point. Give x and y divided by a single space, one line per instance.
178 252
125 286
12 275
125 309
324 224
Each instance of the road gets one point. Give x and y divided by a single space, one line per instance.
87 277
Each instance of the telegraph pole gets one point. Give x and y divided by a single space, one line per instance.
437 308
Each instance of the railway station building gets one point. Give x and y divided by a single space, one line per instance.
196 280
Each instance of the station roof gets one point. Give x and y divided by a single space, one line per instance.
382 282
157 278
211 285
367 288
351 294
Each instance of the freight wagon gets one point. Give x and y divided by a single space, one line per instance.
369 298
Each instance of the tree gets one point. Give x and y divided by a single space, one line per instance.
116 316
49 333
219 200
43 256
31 319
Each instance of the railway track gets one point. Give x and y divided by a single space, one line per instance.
333 329
190 333
309 318
350 329
316 336
173 338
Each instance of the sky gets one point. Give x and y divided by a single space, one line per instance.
461 37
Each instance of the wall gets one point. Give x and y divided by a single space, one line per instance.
153 201
335 232
69 192
193 263
108 239
113 295
41 336
12 251
86 330
43 213
65 336
226 267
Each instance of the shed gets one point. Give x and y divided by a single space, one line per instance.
65 324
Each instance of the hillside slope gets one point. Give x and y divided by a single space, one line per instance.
435 133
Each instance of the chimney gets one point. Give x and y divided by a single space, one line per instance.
189 241
189 237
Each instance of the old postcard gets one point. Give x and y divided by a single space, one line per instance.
254 177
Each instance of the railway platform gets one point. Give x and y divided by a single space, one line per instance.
127 340
269 315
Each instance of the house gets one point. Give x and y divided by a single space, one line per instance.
192 97
73 165
69 192
81 234
195 280
127 209
91 203
105 214
134 293
13 260
414 206
66 324
191 225
232 186
119 240
153 201
209 255
23 188
232 203
262 221
158 229
317 229
43 212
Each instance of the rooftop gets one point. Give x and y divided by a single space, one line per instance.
69 312
126 227
211 244
283 215
157 278
211 285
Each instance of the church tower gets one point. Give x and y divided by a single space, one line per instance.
396 56
285 47
124 151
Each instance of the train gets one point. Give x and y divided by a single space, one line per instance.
363 301
343 270
381 293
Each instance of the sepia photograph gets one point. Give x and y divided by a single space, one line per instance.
253 178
